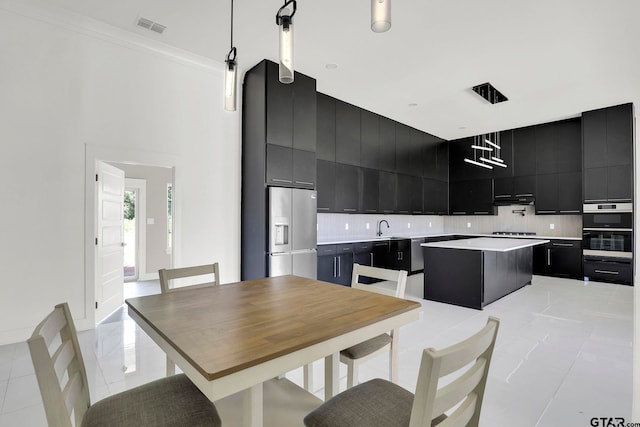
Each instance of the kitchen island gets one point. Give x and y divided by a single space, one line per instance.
476 272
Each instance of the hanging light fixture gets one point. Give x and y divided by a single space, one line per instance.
380 15
479 145
284 19
230 73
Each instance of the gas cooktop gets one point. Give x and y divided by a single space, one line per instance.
514 233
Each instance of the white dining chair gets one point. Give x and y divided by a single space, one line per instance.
62 379
168 275
382 403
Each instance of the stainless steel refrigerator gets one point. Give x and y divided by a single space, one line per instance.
292 232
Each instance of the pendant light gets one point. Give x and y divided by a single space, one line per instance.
479 145
230 73
284 20
380 15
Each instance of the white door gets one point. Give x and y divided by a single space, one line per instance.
110 241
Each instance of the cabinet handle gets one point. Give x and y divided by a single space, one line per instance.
334 266
403 211
523 195
339 273
322 209
607 272
349 210
370 210
548 257
502 195
545 211
281 180
570 245
481 212
569 211
371 257
618 200
459 213
304 182
599 200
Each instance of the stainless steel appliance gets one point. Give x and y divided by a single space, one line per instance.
292 232
417 259
607 230
607 242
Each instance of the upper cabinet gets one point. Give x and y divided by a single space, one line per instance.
326 128
558 147
347 133
369 139
524 151
387 148
607 154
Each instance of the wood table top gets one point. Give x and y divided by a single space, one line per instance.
224 329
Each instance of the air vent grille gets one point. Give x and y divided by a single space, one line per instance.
490 93
150 25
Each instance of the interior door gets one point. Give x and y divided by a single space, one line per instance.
110 237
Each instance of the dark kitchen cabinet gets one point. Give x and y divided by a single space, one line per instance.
615 270
278 148
524 151
387 147
506 154
430 158
558 147
399 255
516 187
417 142
326 173
347 133
409 194
387 192
559 193
335 263
558 258
607 154
459 170
369 139
326 128
347 188
442 165
472 197
435 199
370 190
403 148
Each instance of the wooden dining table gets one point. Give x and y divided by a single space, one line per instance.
232 338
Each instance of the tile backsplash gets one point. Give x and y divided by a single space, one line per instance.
335 227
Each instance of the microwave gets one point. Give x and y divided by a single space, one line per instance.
599 216
607 230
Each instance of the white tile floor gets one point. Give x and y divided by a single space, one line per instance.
563 356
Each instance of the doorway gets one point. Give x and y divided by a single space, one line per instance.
135 236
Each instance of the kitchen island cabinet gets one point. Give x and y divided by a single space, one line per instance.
476 272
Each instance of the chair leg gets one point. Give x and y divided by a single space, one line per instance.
393 357
171 367
352 373
308 377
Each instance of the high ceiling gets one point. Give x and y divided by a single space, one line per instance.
552 58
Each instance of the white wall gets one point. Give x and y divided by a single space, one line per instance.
67 82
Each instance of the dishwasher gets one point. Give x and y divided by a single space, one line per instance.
417 260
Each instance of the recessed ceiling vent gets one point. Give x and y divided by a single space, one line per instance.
150 25
490 93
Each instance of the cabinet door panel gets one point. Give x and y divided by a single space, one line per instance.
369 139
370 189
416 152
594 139
279 165
570 193
503 188
569 146
347 185
547 194
435 197
304 113
620 182
403 148
387 148
619 135
430 157
442 165
524 186
279 109
545 149
326 183
524 151
304 168
506 154
326 268
326 128
347 133
387 194
482 197
595 184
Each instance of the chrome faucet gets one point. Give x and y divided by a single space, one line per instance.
379 226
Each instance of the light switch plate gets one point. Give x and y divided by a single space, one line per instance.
151 221
468 225
367 225
552 226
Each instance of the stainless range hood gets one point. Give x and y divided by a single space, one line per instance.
518 199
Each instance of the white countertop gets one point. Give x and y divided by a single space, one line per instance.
357 239
494 244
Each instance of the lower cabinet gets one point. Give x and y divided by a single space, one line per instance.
335 263
609 270
559 258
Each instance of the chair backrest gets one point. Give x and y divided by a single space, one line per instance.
169 274
397 277
430 401
59 368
